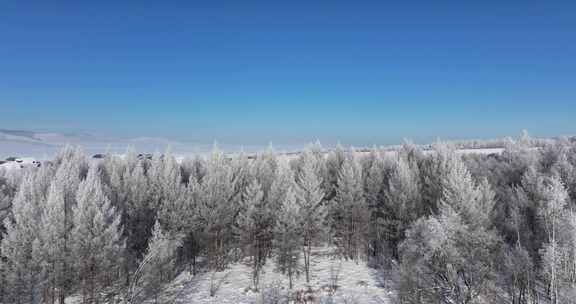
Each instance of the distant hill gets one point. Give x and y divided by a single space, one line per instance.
42 145
20 133
31 143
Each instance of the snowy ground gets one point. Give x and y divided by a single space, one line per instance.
356 283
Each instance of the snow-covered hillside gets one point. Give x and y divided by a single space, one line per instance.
44 145
343 281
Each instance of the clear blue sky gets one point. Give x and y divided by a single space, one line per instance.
362 72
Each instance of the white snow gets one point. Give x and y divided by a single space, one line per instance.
357 283
23 162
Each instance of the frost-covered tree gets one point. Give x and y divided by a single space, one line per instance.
139 213
566 171
96 238
518 156
255 227
114 179
467 225
241 174
55 238
309 197
265 169
374 179
157 266
216 201
449 257
8 189
20 247
402 202
349 214
287 238
282 182
165 178
517 273
433 172
57 222
334 163
557 253
176 214
272 176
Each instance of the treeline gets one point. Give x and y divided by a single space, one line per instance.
443 227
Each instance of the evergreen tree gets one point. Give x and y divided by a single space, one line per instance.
309 197
216 201
451 255
334 163
402 203
7 193
349 211
72 168
139 213
435 215
157 267
21 256
287 238
54 238
165 179
255 228
374 179
96 237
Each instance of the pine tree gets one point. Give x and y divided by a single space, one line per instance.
334 163
96 237
126 185
139 213
309 197
215 198
7 192
349 211
157 267
21 257
374 172
72 168
55 248
451 254
265 169
434 170
402 204
255 228
282 181
287 238
166 179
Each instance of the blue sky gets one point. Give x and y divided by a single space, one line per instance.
359 72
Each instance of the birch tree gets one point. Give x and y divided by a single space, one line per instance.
552 214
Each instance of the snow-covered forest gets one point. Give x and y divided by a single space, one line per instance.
433 227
